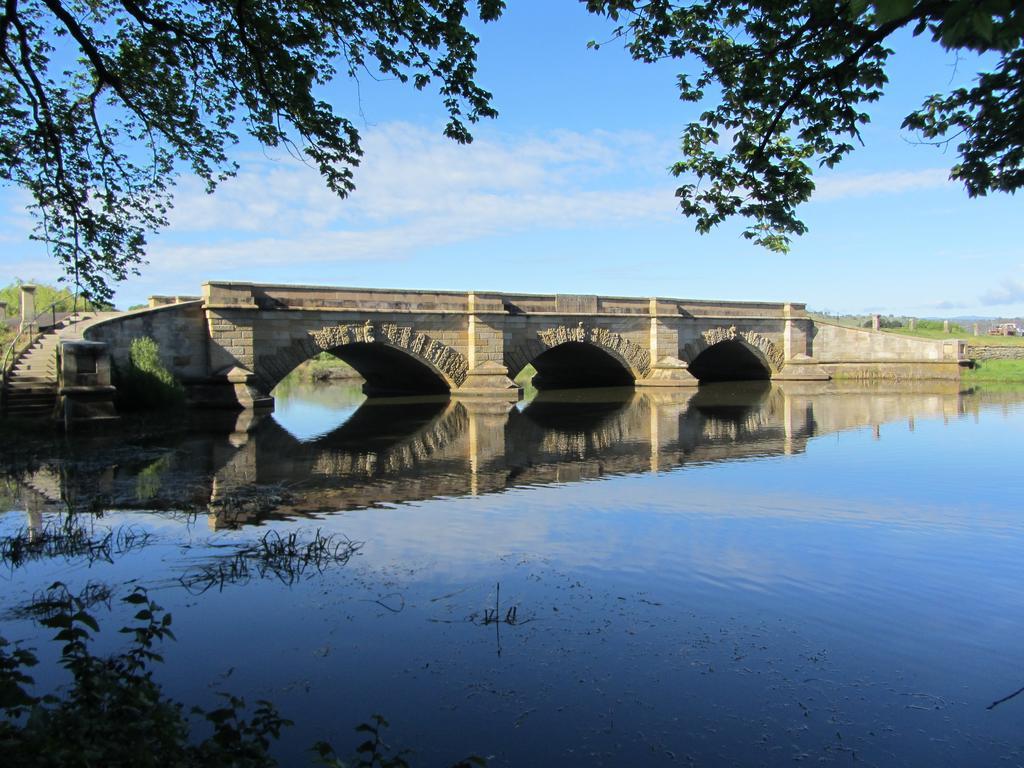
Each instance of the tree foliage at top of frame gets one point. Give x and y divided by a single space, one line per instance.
102 100
790 83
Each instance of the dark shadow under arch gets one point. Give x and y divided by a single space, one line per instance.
575 412
377 426
390 372
575 365
730 360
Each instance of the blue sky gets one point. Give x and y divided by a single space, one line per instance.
568 191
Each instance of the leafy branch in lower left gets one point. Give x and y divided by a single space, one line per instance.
114 713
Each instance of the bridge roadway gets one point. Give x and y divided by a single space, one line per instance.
234 344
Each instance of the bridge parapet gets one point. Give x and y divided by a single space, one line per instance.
240 295
230 295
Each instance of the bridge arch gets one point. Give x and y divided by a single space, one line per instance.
579 356
726 354
393 359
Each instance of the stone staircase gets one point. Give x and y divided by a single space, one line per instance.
30 388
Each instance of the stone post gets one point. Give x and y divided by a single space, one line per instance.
794 338
485 350
796 335
232 315
913 323
977 331
28 306
85 383
876 322
667 370
945 326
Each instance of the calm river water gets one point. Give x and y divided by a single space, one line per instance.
741 575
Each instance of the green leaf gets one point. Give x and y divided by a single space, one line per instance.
84 618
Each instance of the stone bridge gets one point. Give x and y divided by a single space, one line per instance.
235 343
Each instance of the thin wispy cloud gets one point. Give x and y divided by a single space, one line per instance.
839 186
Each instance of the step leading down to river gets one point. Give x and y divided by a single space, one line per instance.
30 388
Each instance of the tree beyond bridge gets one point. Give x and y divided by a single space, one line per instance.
235 343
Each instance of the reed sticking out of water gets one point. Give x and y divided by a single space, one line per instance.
66 538
286 557
996 703
493 615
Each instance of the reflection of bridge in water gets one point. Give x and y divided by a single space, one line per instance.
392 453
401 451
389 453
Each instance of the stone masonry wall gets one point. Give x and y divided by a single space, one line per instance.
178 329
994 352
839 344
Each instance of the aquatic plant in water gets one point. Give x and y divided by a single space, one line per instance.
286 557
64 537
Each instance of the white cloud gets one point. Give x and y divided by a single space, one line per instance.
16 223
839 186
415 190
1010 292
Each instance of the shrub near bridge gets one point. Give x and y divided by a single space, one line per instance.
146 383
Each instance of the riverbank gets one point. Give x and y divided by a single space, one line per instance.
998 371
325 367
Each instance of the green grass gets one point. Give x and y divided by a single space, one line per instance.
983 340
998 371
928 333
323 367
525 380
996 341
